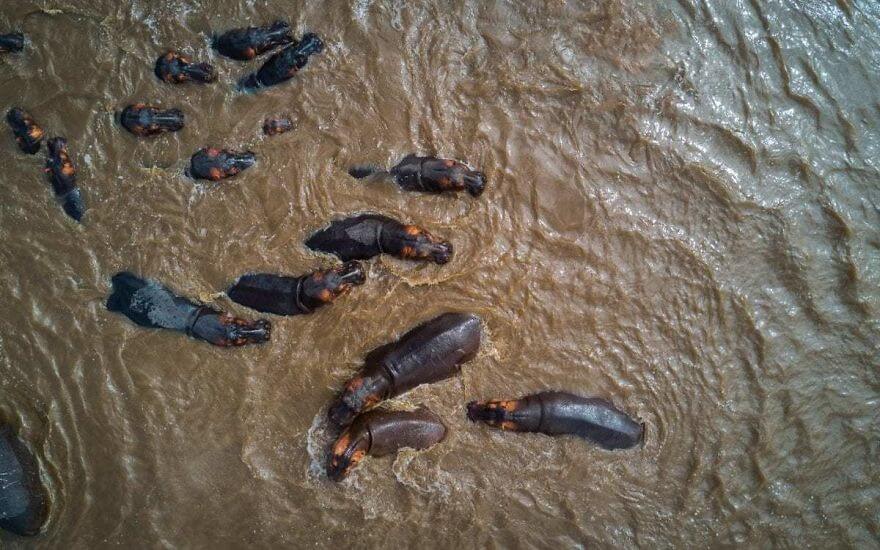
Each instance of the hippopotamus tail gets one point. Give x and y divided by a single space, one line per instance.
73 204
125 284
361 171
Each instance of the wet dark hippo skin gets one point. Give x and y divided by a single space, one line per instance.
25 129
152 305
24 504
429 175
284 65
430 352
381 433
62 175
145 120
216 164
246 43
561 413
175 68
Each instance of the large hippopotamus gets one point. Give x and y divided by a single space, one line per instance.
12 42
247 43
431 352
558 413
62 175
24 504
381 433
429 175
282 295
174 68
144 120
27 132
151 305
366 235
283 65
215 164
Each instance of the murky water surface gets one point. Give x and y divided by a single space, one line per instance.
682 216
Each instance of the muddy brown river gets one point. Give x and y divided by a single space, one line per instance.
681 216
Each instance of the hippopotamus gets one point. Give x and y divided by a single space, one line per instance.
150 304
217 164
277 125
431 352
247 43
367 235
174 68
381 433
24 504
283 65
144 120
429 175
27 132
62 174
559 413
282 295
12 42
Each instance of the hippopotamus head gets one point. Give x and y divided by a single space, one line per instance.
417 243
351 447
226 330
361 393
503 414
322 287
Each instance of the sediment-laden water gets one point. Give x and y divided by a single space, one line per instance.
681 216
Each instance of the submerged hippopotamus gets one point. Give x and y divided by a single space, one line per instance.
217 164
151 305
174 68
381 433
283 65
24 504
27 132
429 175
12 42
558 413
296 295
277 125
62 174
431 352
246 43
367 235
144 120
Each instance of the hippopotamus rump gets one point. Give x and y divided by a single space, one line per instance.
174 68
246 43
429 175
366 235
282 295
432 351
62 175
560 413
283 65
145 120
24 505
151 305
381 433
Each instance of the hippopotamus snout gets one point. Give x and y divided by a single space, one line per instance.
352 273
441 252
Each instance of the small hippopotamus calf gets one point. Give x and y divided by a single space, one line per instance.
144 120
381 433
151 305
27 133
174 68
277 125
296 295
62 174
12 42
24 504
557 413
368 235
283 65
429 175
217 164
432 351
246 43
